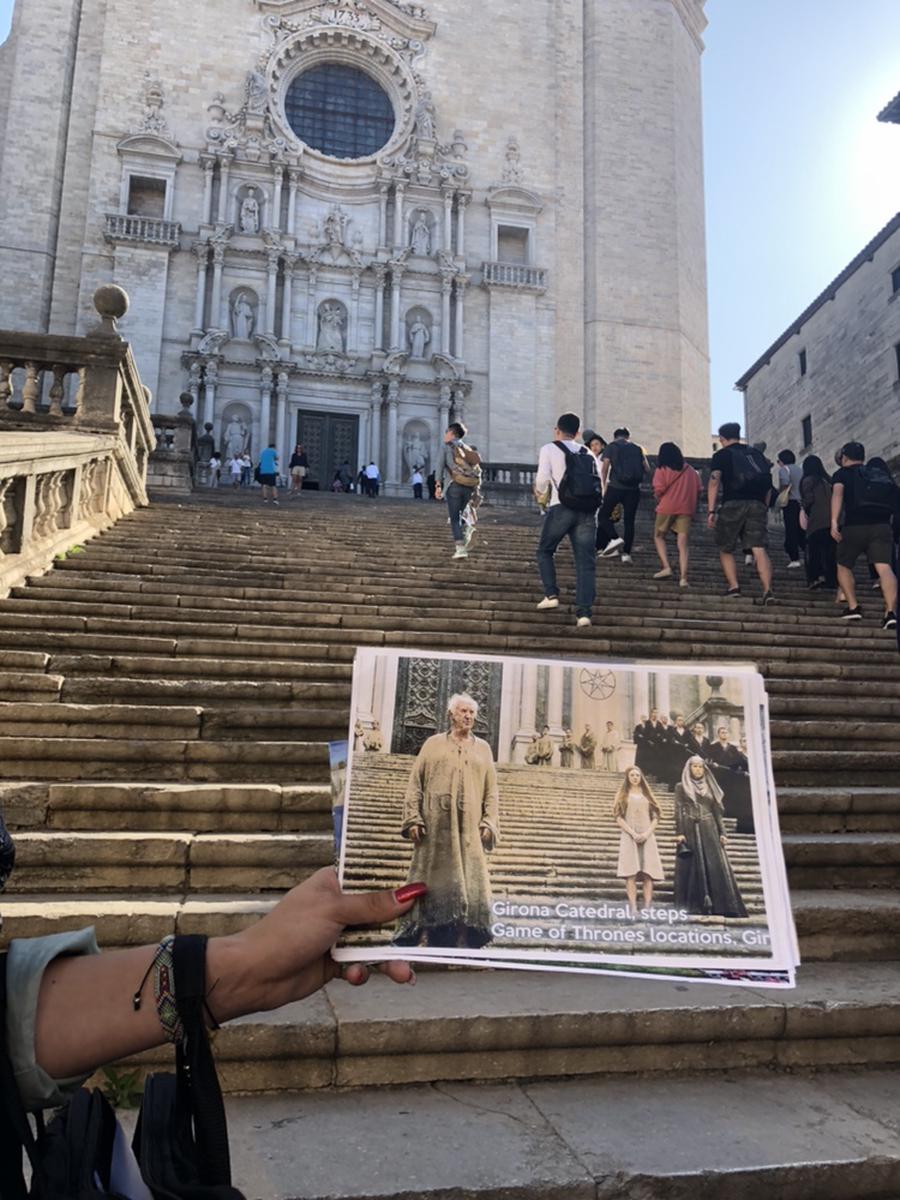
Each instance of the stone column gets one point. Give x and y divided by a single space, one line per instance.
663 701
380 273
224 172
446 291
210 380
641 695
459 404
290 262
399 230
265 409
461 201
396 278
194 385
555 680
281 430
461 281
293 184
375 424
527 707
311 309
278 172
392 432
201 249
215 315
382 215
353 331
208 162
447 234
273 256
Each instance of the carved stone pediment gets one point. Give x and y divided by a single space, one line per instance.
511 198
268 347
367 16
149 145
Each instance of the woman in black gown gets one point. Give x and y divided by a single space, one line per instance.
704 879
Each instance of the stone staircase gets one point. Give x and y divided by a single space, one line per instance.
166 699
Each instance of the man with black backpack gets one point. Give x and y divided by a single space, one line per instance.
868 496
622 470
743 476
567 486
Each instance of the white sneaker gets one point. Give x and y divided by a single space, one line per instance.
461 552
748 560
793 566
611 548
549 602
626 558
582 622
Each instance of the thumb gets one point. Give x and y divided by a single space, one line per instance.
377 908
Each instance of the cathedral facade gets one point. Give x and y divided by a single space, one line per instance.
347 222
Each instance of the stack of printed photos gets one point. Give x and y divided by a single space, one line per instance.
589 816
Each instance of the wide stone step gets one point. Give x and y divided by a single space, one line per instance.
526 1025
835 767
838 810
736 1136
63 861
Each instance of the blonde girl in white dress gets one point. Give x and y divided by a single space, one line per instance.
637 814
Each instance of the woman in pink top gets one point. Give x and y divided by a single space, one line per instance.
677 488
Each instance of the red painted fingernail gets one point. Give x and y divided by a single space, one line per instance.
412 891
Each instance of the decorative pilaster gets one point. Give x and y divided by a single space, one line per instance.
266 380
461 201
461 284
281 429
278 172
210 381
392 430
527 708
399 230
208 163
353 333
382 215
273 255
224 173
446 290
459 404
290 262
311 309
396 279
375 423
380 274
219 243
447 234
194 384
201 249
294 174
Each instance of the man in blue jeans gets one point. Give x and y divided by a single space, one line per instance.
458 483
560 521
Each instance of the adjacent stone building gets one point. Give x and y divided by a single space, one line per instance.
834 374
346 221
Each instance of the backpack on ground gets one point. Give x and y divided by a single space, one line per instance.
875 488
579 488
629 465
466 466
749 469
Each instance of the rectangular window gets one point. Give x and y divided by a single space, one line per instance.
146 197
807 431
897 356
895 281
802 357
512 245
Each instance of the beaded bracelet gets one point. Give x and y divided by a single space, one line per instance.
163 990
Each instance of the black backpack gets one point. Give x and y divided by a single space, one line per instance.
629 465
579 488
750 470
876 489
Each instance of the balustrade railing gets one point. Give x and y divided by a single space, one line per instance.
153 230
75 439
514 275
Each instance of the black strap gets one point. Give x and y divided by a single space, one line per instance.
196 1067
15 1132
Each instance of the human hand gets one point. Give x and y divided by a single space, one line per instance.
724 840
680 838
487 838
438 492
416 833
836 533
286 956
711 518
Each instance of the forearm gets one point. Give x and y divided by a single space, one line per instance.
712 494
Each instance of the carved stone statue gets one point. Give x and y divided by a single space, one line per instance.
257 93
416 449
250 212
419 337
425 117
421 234
237 437
331 328
243 317
512 171
335 226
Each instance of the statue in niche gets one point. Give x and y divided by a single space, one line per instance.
425 117
243 317
257 93
331 328
419 338
421 234
335 227
236 440
512 172
416 449
250 212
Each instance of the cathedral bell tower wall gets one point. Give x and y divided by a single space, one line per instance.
646 337
39 63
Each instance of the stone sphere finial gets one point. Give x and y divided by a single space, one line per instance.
208 426
111 302
186 400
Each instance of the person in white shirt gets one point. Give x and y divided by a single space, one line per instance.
215 465
235 467
373 478
417 479
561 520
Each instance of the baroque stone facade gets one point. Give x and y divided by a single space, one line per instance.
527 236
834 375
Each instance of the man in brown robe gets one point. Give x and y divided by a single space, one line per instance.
587 747
451 815
543 749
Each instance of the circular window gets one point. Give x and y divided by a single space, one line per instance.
340 111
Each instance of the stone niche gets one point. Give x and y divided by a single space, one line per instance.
243 313
419 332
237 431
250 202
416 446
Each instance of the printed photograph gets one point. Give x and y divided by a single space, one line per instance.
573 810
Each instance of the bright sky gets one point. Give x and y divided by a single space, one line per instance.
799 174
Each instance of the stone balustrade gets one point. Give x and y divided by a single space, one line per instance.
514 275
75 439
152 230
508 483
